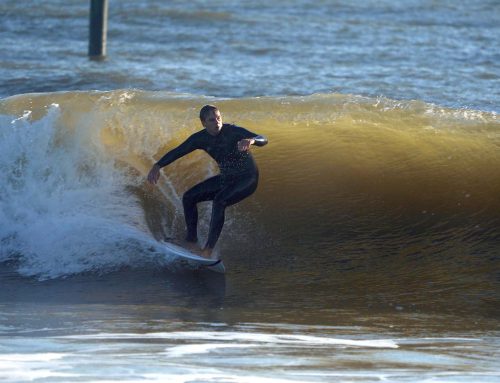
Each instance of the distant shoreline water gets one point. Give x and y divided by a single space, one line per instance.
444 53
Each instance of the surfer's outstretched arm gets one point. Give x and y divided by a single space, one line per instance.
186 147
154 174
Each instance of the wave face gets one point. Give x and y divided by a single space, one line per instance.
384 194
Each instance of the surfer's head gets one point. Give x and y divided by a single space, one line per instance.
211 119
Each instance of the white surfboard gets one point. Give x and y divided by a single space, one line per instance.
184 256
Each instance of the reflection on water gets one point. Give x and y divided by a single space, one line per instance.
143 287
147 325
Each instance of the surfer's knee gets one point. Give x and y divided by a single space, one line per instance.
188 198
220 203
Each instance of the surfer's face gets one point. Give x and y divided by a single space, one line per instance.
213 122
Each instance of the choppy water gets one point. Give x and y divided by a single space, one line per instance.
369 252
192 328
161 350
445 52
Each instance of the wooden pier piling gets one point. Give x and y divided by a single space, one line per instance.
98 29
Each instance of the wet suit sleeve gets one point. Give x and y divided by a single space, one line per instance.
186 147
259 140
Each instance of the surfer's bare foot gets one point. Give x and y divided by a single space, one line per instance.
206 253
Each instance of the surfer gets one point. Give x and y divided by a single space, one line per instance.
229 145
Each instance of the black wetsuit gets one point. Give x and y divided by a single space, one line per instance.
237 180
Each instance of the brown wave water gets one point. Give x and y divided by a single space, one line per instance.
367 202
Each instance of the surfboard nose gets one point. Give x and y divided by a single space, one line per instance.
217 266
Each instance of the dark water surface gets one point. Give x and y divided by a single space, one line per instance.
199 327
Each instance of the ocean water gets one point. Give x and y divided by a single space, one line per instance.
370 251
443 52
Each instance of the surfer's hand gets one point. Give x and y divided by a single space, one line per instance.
154 174
244 145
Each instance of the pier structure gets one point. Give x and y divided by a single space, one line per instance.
98 29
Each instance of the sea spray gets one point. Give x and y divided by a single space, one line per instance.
64 206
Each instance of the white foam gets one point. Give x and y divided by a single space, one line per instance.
204 377
38 357
249 338
203 348
16 367
64 205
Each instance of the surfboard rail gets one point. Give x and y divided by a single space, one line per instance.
185 257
